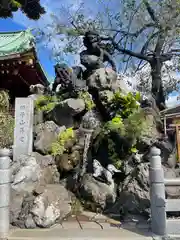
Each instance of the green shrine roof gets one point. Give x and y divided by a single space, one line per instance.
12 43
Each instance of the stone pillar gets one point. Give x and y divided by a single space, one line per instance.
5 179
157 193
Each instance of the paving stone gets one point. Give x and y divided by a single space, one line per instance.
141 225
101 218
71 234
70 225
129 225
56 226
90 225
89 214
108 226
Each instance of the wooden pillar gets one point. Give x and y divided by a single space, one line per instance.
177 125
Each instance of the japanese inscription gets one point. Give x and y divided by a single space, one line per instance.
23 132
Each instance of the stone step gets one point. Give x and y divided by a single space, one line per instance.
58 233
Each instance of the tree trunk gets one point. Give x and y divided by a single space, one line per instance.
157 87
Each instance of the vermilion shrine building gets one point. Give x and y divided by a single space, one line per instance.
19 66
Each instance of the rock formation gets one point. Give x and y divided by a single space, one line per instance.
82 122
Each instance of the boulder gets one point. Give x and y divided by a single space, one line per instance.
46 134
50 126
134 192
28 170
102 78
151 133
42 208
67 161
16 199
63 113
91 120
99 193
25 172
166 148
50 175
42 160
51 206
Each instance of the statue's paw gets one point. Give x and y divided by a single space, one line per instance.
95 176
109 183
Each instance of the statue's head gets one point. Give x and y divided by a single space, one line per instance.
96 164
90 37
63 72
61 66
37 89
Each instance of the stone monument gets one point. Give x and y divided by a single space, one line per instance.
23 131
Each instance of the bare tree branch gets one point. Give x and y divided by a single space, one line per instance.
131 53
145 46
151 12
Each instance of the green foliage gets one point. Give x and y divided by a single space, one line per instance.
125 104
112 154
135 124
116 124
58 147
133 150
32 9
46 103
4 101
87 100
130 123
76 206
6 121
6 129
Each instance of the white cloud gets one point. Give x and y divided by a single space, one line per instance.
172 101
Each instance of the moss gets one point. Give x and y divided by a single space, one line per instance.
58 147
46 103
89 104
76 207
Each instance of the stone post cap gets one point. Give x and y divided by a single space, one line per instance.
155 151
5 152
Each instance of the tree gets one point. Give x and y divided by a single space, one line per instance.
141 80
144 30
31 8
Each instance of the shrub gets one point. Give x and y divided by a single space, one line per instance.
129 122
124 105
89 104
46 103
6 121
135 125
58 147
6 129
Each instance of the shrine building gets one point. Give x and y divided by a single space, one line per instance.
171 119
19 66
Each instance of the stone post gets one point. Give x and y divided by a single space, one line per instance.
5 179
157 193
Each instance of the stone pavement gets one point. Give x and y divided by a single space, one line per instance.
86 227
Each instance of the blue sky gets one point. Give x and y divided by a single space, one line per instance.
7 25
21 22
